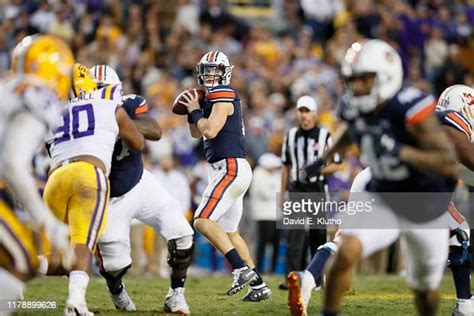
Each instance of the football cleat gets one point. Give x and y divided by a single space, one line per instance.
463 307
77 310
122 301
175 303
242 278
299 293
258 293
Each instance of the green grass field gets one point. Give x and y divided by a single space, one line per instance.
370 295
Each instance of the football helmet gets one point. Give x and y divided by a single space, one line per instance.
82 80
377 58
214 69
105 75
456 97
48 58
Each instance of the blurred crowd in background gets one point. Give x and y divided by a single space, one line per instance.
280 49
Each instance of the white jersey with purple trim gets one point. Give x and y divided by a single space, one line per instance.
89 127
25 94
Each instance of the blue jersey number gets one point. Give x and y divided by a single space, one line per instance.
67 131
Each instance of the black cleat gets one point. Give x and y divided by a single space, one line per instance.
242 278
258 293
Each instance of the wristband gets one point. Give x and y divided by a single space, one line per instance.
195 116
190 120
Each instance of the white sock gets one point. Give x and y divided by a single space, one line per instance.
12 287
308 276
78 281
43 265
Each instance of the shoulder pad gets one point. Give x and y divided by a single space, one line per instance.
42 103
112 92
456 120
416 104
221 94
135 104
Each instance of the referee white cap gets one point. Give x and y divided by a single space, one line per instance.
307 102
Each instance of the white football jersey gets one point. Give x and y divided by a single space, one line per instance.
89 127
25 94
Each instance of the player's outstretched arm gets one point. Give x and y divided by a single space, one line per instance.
464 148
435 153
19 149
341 141
128 132
148 127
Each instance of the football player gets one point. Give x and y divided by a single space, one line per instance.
220 123
454 112
453 109
403 143
136 193
77 189
30 105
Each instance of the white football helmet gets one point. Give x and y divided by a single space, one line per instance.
456 97
105 75
214 69
372 57
460 98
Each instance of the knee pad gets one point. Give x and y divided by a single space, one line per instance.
459 256
113 275
180 252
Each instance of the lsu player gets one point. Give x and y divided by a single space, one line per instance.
403 143
453 111
30 104
136 194
220 123
77 189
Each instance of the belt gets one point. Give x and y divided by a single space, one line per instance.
68 161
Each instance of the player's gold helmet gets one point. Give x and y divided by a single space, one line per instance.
82 80
47 57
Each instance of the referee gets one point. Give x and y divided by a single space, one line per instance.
302 146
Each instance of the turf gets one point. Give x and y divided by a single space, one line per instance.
369 295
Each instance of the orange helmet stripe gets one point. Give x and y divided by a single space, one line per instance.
99 75
212 56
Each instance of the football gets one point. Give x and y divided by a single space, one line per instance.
179 108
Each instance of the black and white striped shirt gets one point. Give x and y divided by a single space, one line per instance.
303 147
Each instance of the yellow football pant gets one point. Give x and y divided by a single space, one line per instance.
78 194
16 243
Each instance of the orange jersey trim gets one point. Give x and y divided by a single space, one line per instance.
141 109
223 94
461 123
422 114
